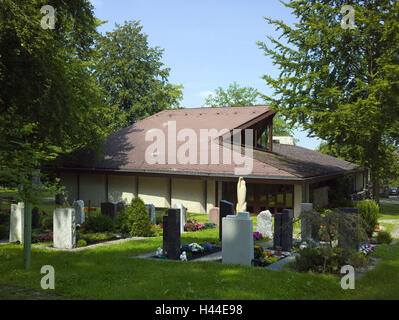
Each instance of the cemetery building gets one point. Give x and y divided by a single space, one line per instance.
282 176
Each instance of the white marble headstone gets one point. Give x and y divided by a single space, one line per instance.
237 239
17 222
264 224
183 217
64 227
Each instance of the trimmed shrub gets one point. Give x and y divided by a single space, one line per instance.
326 259
3 231
100 223
384 237
81 243
91 238
210 225
135 219
46 222
369 210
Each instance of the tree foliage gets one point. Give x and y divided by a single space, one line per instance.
341 84
237 96
49 101
132 77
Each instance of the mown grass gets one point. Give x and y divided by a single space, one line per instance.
109 272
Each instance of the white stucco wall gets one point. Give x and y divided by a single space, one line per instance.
92 187
189 192
154 190
210 198
122 188
359 181
297 199
320 197
70 182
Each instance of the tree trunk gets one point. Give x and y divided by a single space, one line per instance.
376 186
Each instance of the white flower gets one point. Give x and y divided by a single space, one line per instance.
196 247
159 252
183 256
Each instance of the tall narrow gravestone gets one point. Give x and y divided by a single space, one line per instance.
283 230
64 227
151 213
214 216
348 229
183 217
309 223
171 234
80 214
237 240
17 222
225 208
109 209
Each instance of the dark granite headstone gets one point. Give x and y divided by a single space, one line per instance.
225 208
164 234
120 206
173 234
348 237
109 209
283 229
59 199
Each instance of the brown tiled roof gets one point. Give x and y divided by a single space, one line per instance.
125 149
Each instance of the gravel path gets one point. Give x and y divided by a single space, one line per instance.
395 222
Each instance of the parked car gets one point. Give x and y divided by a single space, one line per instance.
394 191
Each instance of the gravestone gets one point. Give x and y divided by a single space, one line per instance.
183 216
214 216
264 224
60 199
80 214
237 239
151 212
309 228
64 228
120 206
109 209
348 237
283 229
164 234
17 222
171 234
225 208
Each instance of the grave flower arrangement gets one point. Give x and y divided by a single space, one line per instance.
193 225
157 230
366 249
257 235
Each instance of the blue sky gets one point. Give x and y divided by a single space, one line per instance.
207 43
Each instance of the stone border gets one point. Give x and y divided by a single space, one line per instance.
94 245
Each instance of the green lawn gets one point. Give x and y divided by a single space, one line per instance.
108 272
